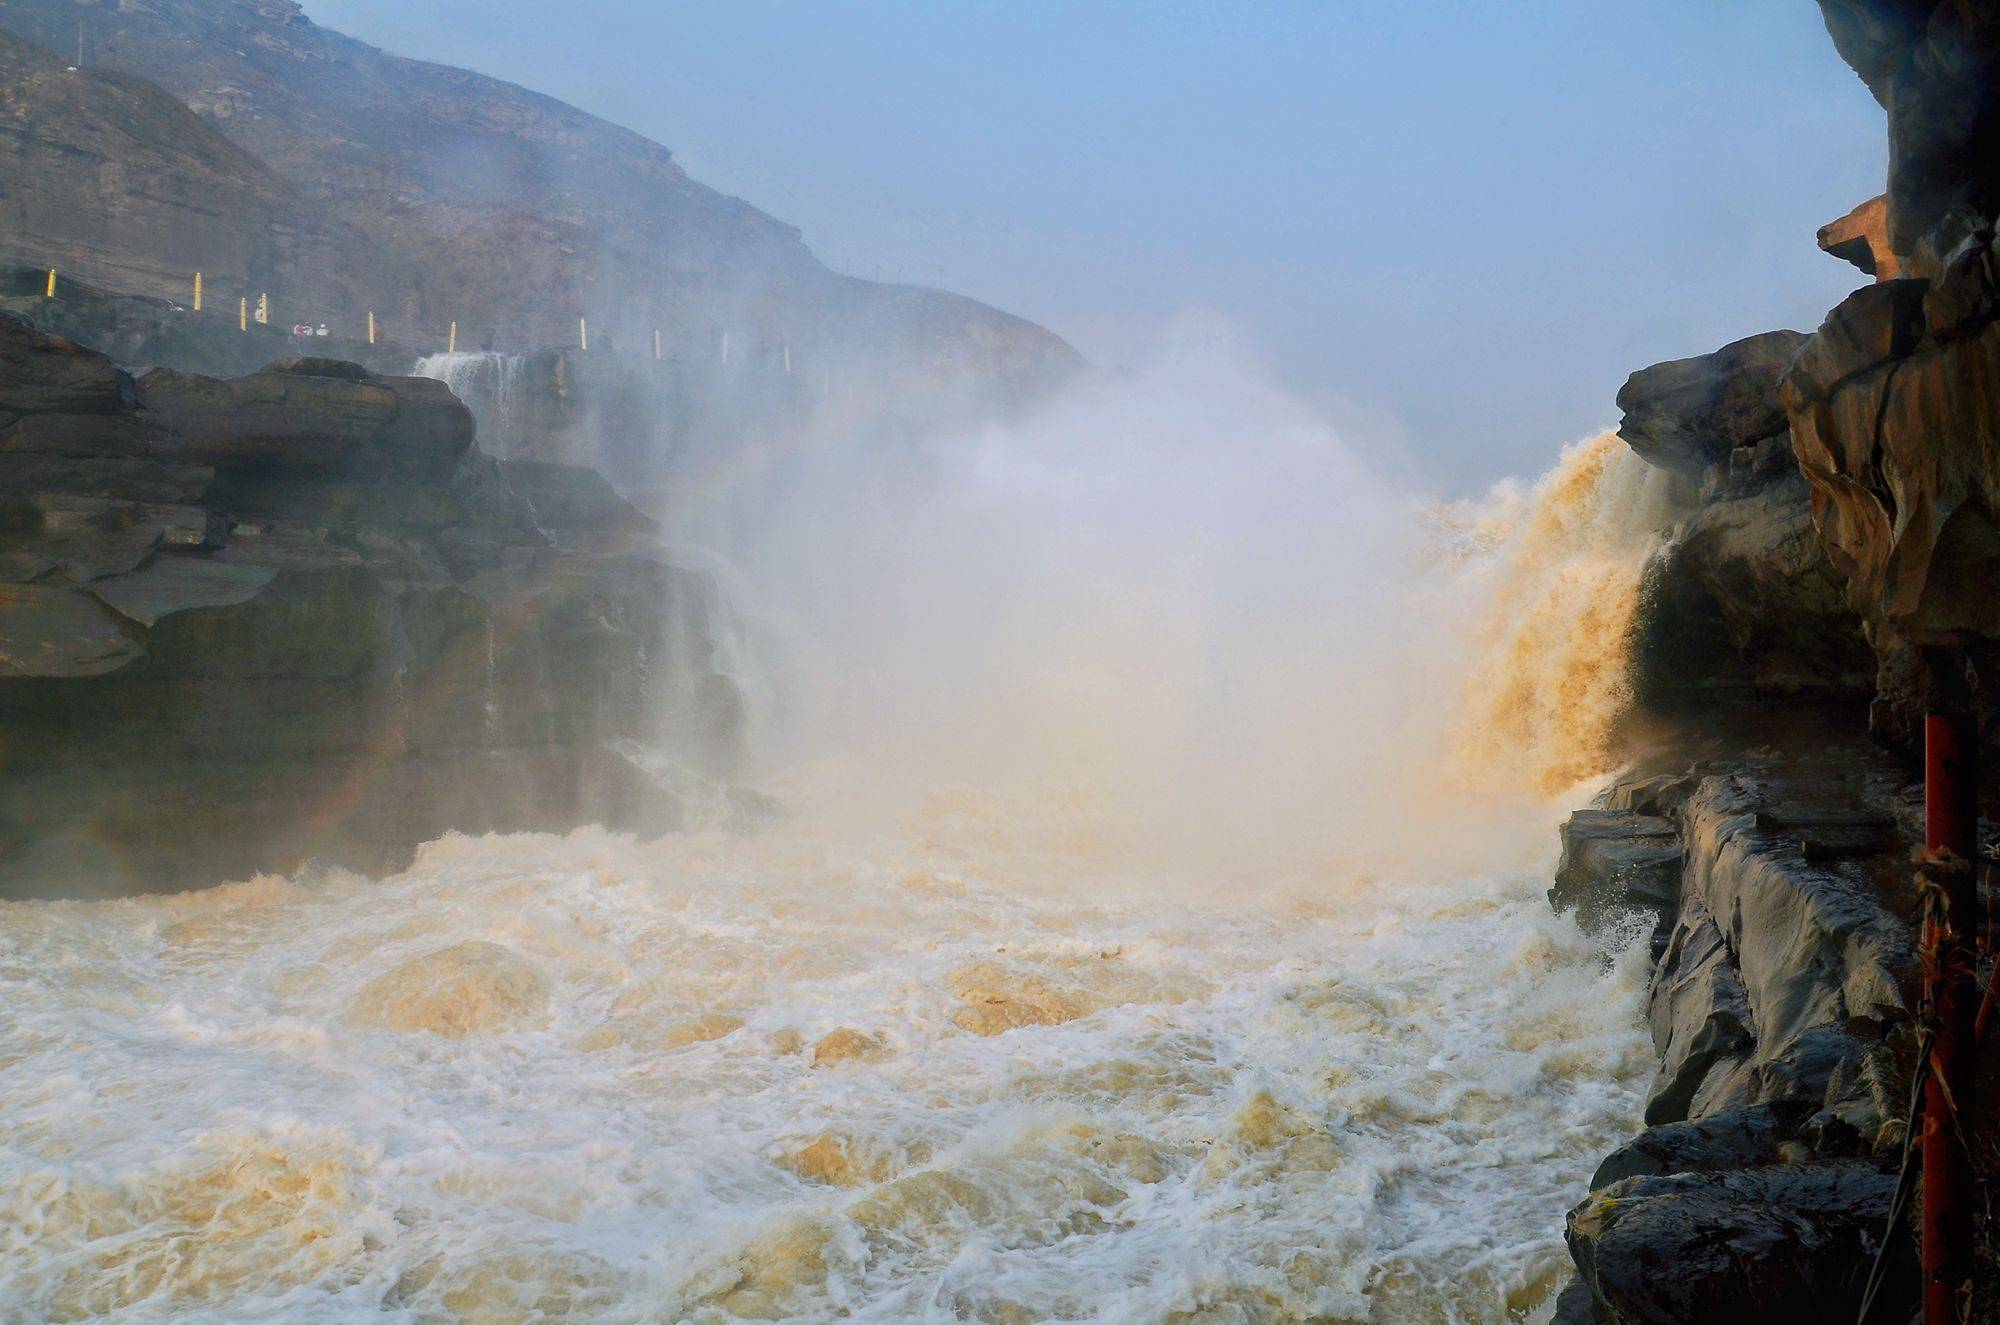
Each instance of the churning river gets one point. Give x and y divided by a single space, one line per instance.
1164 990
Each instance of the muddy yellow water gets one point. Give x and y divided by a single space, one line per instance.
713 1079
1286 1033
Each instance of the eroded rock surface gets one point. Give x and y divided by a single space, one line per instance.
1616 864
1688 414
1777 1243
1862 238
1779 1005
1895 402
1742 600
299 615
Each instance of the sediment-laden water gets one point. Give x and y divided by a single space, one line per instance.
542 1078
1165 990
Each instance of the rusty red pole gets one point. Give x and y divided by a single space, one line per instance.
1951 823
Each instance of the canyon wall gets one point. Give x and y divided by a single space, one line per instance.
1836 579
298 614
1895 401
240 139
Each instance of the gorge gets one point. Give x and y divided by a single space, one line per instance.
890 822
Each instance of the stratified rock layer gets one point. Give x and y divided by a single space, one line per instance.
1862 238
1780 1002
299 615
1895 402
276 156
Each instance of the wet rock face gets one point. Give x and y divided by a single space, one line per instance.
1778 1243
1781 1001
1775 1004
1737 1138
1742 600
309 416
1615 865
298 615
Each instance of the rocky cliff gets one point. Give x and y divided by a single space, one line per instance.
276 156
1895 402
1836 578
298 614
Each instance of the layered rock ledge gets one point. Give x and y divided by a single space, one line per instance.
299 615
1761 841
1777 887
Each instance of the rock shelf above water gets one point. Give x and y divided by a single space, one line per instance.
299 615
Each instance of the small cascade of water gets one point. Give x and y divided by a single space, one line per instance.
488 696
487 382
1558 570
703 690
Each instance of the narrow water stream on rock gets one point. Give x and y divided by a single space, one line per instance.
1156 932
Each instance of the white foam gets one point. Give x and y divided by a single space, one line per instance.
1132 738
1449 1056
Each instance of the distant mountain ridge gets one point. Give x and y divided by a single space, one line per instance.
424 193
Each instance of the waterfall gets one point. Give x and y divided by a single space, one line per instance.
1159 921
488 383
1557 570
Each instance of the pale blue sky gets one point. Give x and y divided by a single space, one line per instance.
1452 226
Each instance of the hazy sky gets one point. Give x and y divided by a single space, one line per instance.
1454 226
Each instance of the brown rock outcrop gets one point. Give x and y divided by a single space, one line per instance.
1687 414
1741 602
299 614
1895 402
1896 418
1862 238
1783 1001
1932 65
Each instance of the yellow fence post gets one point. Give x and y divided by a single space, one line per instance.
725 347
243 313
451 344
788 358
656 344
371 326
582 334
50 292
197 292
263 310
